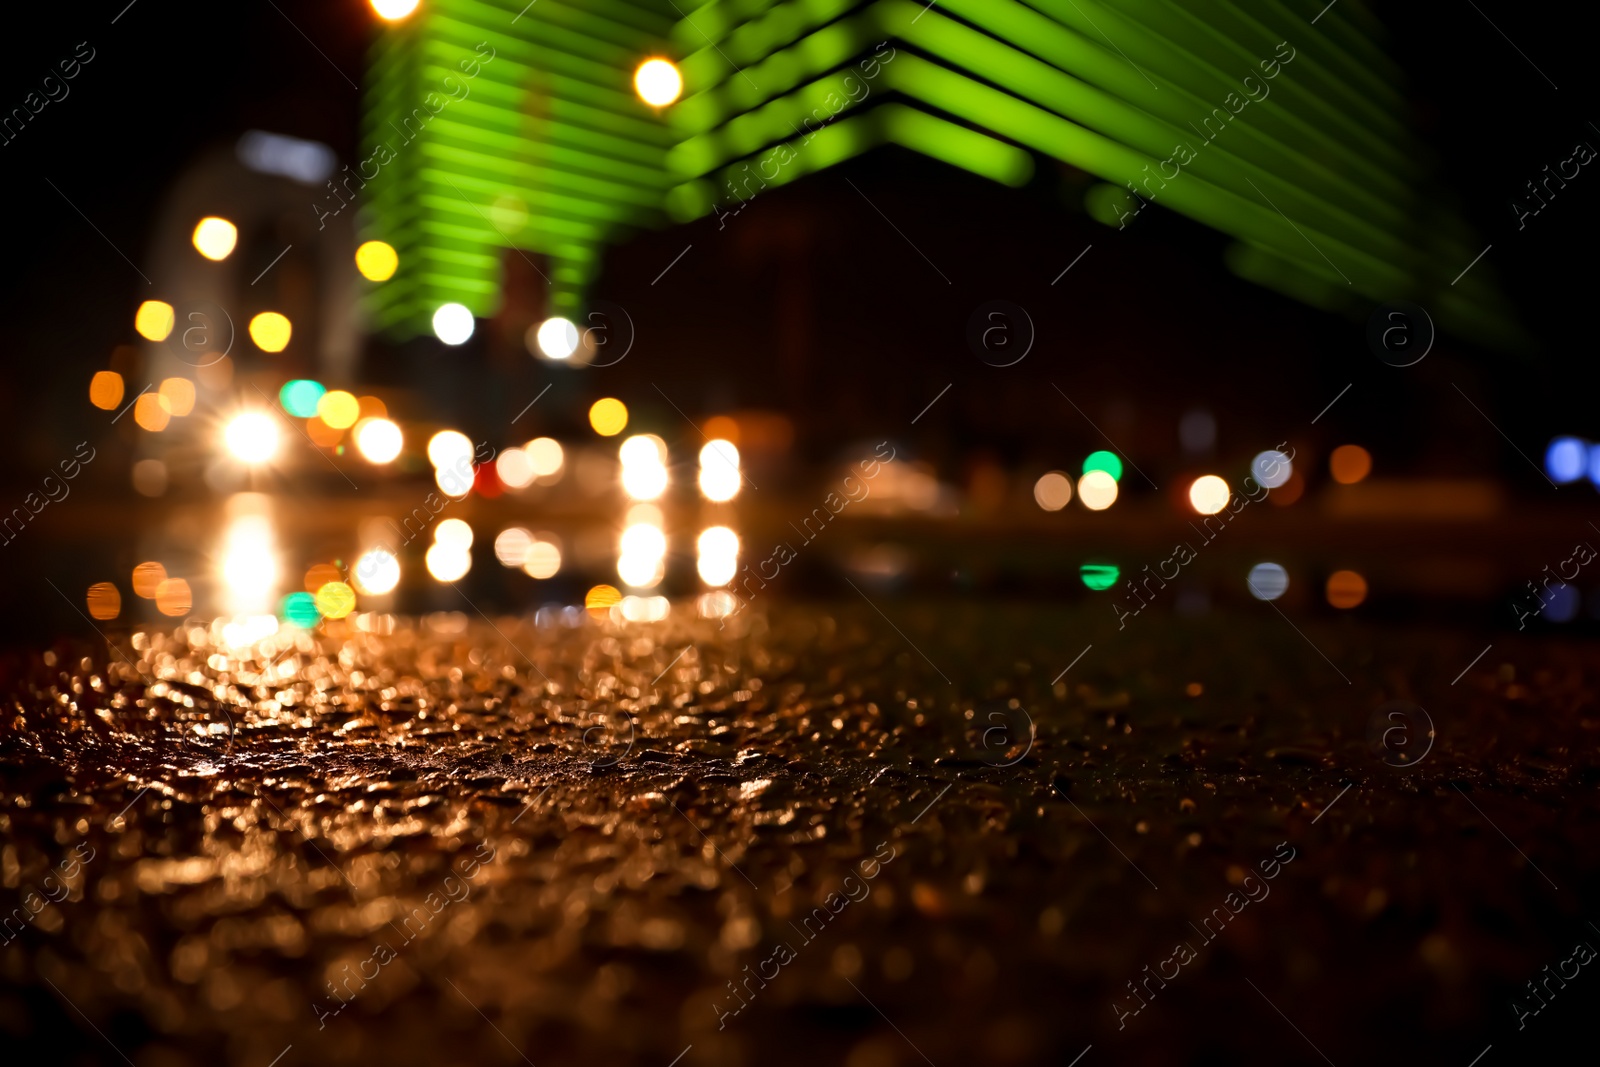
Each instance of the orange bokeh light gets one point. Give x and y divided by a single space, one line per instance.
1346 589
1349 464
104 601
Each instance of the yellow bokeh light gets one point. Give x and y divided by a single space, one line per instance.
609 417
339 409
602 598
178 395
104 601
393 10
1097 490
147 578
270 331
658 82
153 320
1209 494
105 389
379 440
173 597
150 413
214 238
336 600
377 261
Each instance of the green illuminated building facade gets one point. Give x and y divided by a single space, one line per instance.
513 126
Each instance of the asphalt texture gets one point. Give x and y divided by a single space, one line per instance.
876 833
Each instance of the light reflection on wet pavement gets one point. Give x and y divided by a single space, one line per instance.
616 842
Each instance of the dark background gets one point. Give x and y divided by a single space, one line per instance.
810 302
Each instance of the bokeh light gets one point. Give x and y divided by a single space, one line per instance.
1271 468
178 395
215 238
150 477
1566 459
320 574
658 82
105 389
379 440
558 338
339 409
1267 581
644 469
270 331
514 468
1098 576
453 324
252 436
322 435
249 563
336 600
150 413
1349 464
1097 490
153 320
1109 462
377 261
1197 431
602 598
104 601
546 455
1563 603
719 555
719 471
511 546
173 597
608 416
394 10
1594 464
1346 589
448 563
1209 494
449 448
147 578
300 609
641 562
299 397
645 608
454 534
376 572
1053 491
543 559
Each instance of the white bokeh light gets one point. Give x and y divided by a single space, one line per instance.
453 324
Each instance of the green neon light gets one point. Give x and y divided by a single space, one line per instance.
1099 576
1109 462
